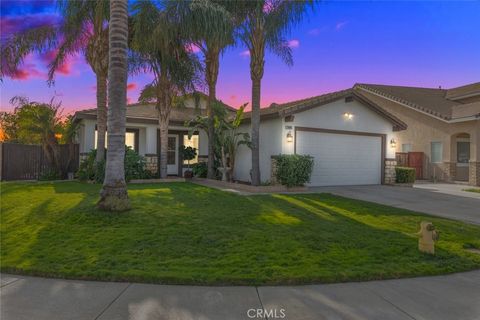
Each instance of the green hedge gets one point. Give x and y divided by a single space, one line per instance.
293 169
404 175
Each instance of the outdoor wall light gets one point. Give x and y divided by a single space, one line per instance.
289 136
393 143
348 115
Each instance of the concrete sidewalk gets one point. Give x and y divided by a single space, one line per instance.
451 297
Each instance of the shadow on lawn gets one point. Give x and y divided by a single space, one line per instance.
185 233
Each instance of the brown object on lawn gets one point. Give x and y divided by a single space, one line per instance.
427 237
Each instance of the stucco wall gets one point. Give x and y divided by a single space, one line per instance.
424 129
270 144
273 132
331 116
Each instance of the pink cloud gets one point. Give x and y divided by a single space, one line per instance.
192 48
131 86
294 43
245 53
340 25
26 73
11 25
317 31
65 68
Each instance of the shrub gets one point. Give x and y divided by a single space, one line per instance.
293 169
404 175
49 175
134 167
200 169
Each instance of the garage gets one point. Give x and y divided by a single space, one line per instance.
342 158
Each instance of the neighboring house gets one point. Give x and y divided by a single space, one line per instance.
143 133
443 124
353 134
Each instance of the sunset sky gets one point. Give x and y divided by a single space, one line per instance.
426 44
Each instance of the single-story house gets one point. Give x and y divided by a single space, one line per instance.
143 134
443 127
354 135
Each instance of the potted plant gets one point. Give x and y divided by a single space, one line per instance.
188 153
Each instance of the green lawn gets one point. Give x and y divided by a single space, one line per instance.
477 190
185 233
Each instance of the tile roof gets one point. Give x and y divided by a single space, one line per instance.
432 101
148 112
289 108
467 90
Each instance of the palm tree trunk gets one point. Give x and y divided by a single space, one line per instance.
256 83
212 66
101 116
114 196
163 123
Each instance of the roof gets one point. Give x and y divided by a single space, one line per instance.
290 108
139 112
463 91
433 101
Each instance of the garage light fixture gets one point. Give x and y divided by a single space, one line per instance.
289 136
348 115
393 143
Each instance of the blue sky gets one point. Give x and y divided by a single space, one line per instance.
427 44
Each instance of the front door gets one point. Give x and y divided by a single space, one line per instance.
172 154
463 156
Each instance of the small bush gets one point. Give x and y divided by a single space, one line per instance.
49 175
200 169
134 167
404 175
293 169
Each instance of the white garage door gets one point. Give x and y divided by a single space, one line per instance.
341 159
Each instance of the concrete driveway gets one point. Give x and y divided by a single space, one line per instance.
442 200
451 297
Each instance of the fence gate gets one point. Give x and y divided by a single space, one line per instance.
29 162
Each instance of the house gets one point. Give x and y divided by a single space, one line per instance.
443 125
347 134
142 132
354 135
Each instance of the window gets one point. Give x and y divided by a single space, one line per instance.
193 142
131 137
436 152
406 147
463 151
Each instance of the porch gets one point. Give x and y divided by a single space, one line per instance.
144 138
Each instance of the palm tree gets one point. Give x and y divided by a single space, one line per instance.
210 26
83 30
266 24
114 196
159 48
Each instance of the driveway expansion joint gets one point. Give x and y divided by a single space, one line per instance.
113 301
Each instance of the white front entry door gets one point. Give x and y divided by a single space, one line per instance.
172 154
342 159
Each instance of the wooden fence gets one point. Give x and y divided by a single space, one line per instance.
29 162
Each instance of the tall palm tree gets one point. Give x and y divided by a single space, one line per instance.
83 29
210 26
158 47
265 27
114 196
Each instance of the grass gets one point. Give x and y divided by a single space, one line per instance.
477 190
188 234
